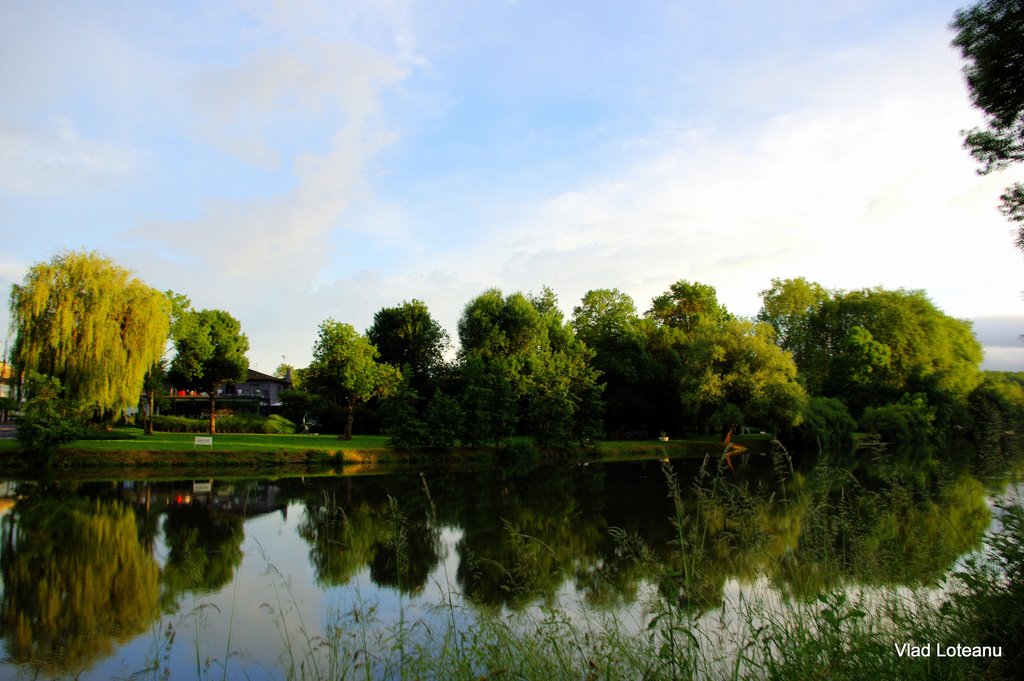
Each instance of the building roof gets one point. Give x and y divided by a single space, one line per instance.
259 376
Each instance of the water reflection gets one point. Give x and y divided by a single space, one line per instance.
355 523
204 548
77 579
88 566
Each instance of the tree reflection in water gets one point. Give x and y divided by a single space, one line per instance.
608 529
80 574
204 548
76 579
397 540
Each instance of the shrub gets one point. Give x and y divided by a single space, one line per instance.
235 423
180 424
992 594
240 423
279 425
827 428
907 423
46 419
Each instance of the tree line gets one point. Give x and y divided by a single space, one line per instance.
814 364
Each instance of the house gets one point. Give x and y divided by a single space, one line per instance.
265 386
255 396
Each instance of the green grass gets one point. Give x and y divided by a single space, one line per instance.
161 450
129 447
233 442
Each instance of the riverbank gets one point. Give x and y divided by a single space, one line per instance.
128 448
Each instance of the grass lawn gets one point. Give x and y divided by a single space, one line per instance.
232 442
129 447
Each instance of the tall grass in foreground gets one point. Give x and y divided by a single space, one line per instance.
689 627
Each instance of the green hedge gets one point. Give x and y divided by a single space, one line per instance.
236 423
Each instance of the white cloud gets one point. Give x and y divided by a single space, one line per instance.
312 81
58 159
312 103
329 94
863 183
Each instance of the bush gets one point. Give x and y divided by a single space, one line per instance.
235 423
907 423
827 428
47 420
279 425
179 424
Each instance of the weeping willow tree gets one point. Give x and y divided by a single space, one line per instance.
92 324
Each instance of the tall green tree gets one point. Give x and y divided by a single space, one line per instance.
407 336
741 377
687 306
345 369
793 307
870 347
928 351
990 35
152 384
83 319
209 352
607 322
523 365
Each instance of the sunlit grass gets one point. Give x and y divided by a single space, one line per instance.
231 442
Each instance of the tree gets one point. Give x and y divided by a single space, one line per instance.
489 401
603 315
990 35
742 377
607 322
210 351
408 337
792 307
288 372
152 383
89 323
523 365
928 351
869 347
345 369
687 306
444 421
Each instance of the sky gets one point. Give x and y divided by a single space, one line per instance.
293 161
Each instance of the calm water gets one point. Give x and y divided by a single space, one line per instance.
101 579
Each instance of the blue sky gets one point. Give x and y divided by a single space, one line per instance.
294 161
